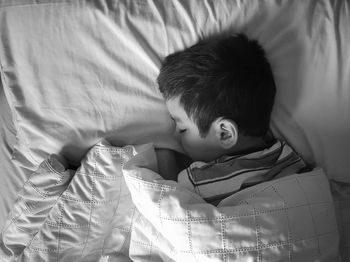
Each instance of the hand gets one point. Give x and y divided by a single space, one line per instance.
167 165
63 161
170 163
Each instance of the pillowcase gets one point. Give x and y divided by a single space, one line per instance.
76 71
73 73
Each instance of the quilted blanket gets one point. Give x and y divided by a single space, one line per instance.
116 207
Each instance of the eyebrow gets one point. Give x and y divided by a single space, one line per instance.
175 119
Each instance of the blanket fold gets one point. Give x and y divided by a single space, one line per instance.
287 219
35 200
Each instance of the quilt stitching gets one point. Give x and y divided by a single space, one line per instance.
60 220
99 176
26 209
64 225
152 184
44 250
120 154
258 236
123 229
126 230
96 202
289 234
189 232
29 209
164 193
138 242
238 250
252 195
312 216
231 217
96 154
249 249
223 237
259 247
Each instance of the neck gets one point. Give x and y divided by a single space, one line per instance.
249 144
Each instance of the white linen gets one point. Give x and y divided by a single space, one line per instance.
12 176
76 71
287 219
88 220
98 60
73 75
94 218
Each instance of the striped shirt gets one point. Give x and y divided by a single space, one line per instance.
216 180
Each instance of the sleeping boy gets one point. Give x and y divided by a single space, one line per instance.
220 95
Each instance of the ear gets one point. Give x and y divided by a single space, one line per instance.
226 132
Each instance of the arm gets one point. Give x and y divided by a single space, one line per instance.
170 163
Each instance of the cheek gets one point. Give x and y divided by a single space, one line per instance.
194 148
200 149
185 142
189 143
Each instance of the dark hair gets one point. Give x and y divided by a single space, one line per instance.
228 78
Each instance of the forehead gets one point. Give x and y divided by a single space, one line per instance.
176 110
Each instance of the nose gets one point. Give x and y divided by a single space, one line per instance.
176 133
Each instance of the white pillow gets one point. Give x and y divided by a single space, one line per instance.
74 72
72 75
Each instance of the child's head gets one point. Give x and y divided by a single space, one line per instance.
219 93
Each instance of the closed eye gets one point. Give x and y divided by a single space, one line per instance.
182 131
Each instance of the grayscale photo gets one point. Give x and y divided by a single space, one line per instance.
175 130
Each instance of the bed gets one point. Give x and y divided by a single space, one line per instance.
76 74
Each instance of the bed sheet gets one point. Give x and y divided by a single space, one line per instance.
71 67
12 176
